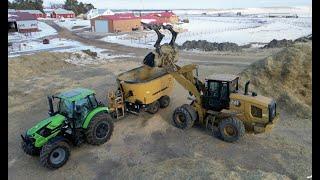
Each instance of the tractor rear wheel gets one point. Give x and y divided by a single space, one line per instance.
55 153
153 107
164 101
231 129
100 129
183 117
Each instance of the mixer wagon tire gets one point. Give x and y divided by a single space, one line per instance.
182 118
164 101
231 129
153 107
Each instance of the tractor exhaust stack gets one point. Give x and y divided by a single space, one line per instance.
51 111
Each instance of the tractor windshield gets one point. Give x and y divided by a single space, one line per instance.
65 108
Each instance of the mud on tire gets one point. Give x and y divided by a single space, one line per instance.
100 129
231 129
164 101
182 117
55 153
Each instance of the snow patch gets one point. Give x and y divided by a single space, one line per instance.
240 30
61 45
70 23
44 30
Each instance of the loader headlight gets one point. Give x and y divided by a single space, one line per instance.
236 103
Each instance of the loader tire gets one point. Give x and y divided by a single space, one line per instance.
55 153
192 111
100 129
231 129
182 118
153 107
164 101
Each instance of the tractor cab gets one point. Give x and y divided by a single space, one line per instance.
218 90
74 104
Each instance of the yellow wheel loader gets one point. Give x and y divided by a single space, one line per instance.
217 102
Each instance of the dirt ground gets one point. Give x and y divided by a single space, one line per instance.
149 146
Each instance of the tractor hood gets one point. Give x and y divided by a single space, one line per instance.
51 123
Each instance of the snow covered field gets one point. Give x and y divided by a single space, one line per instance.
60 45
73 24
301 11
240 30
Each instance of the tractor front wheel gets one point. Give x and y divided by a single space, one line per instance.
55 154
100 129
183 117
231 129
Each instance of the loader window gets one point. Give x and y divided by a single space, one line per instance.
256 112
214 88
224 91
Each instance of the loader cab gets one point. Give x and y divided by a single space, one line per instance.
218 90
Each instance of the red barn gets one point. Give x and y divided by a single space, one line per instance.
36 13
59 13
124 22
160 18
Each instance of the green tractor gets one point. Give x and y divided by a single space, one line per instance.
79 117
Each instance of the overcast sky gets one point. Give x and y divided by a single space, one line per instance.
180 4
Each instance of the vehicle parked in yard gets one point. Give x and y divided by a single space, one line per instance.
79 117
217 102
139 89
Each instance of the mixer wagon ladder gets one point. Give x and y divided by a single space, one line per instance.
116 103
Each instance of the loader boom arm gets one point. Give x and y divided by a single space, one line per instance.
184 76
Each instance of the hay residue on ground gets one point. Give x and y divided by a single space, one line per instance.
285 76
193 168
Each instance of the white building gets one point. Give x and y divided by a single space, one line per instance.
97 12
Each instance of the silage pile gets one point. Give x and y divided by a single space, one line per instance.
45 62
285 76
29 65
